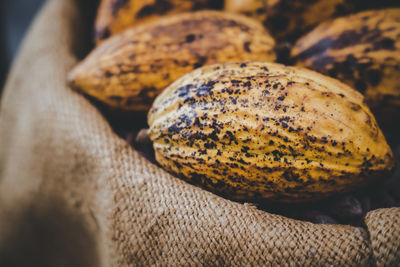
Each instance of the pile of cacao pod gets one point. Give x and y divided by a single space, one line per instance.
275 102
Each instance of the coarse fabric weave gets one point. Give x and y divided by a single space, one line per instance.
72 193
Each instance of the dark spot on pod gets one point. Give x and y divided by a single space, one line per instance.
233 165
108 74
175 128
159 7
349 38
277 155
384 44
341 95
231 138
243 65
177 164
355 107
190 100
312 139
202 152
284 119
200 62
247 84
242 161
290 176
190 38
166 76
246 47
205 89
214 135
210 145
245 149
271 142
184 90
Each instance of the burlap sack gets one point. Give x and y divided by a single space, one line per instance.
72 193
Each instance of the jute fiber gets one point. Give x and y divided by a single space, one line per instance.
72 193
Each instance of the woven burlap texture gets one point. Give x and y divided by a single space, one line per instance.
72 193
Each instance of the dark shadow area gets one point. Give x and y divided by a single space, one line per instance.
15 18
46 233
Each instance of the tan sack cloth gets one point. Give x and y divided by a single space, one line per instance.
72 193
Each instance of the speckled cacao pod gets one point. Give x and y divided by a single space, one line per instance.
265 131
129 70
113 16
289 19
362 50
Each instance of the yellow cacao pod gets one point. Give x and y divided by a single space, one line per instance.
113 16
362 50
257 130
129 70
287 20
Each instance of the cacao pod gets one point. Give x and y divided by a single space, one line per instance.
114 16
266 131
362 50
129 70
287 20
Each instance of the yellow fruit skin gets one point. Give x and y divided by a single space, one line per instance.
113 16
130 69
362 50
287 20
255 131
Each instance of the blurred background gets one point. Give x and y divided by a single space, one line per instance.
15 18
